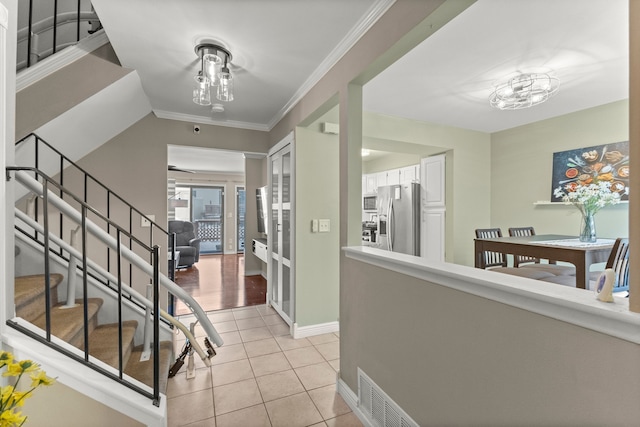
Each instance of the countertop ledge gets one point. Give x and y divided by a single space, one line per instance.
570 305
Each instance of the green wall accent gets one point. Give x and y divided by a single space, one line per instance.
317 255
521 166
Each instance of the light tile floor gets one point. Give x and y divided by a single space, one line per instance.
261 376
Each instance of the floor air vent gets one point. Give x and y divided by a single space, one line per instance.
378 407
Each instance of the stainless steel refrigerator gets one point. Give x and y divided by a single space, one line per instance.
399 218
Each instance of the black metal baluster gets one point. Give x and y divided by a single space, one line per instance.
55 26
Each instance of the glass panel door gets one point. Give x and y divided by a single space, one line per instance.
207 213
280 274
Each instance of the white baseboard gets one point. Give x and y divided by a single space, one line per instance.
253 273
312 330
351 399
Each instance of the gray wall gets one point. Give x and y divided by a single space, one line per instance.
134 164
450 358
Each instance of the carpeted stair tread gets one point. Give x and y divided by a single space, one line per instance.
30 296
143 371
103 342
67 323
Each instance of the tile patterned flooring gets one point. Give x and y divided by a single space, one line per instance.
261 376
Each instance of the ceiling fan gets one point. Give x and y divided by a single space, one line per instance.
174 168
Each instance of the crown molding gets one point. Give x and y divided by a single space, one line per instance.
61 59
367 21
208 121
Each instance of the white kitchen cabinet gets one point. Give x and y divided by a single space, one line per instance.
371 183
393 177
381 179
410 174
432 230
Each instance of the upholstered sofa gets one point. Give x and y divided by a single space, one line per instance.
186 242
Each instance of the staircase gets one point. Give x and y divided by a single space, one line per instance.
87 290
67 324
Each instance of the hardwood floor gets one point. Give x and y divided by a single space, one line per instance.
218 282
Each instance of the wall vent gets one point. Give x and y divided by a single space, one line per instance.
379 408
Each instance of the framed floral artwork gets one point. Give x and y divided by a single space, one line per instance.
592 165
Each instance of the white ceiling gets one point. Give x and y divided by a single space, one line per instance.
281 47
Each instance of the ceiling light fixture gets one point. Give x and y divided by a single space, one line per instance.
524 91
214 74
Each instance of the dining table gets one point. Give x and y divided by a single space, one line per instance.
551 247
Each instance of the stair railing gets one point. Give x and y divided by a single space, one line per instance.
22 176
129 291
89 227
74 24
35 152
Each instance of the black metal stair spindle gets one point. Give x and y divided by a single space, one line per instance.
78 25
55 26
30 33
156 328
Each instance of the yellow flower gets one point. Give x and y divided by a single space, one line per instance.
5 395
10 418
5 358
40 378
18 398
15 369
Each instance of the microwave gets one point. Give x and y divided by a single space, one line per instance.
369 202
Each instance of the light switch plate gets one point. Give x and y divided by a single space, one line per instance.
324 225
314 225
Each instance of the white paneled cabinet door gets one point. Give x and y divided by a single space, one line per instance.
280 278
432 230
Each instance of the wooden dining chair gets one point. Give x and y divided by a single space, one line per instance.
528 261
618 261
523 232
491 259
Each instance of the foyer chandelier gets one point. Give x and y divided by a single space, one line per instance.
523 91
214 75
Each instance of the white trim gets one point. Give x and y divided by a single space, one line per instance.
87 381
313 330
4 17
570 305
257 156
365 23
61 59
208 121
351 399
252 272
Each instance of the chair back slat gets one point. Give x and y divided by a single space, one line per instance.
491 259
523 232
619 262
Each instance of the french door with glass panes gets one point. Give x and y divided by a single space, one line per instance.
280 237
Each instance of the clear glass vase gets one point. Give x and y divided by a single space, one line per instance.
588 227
